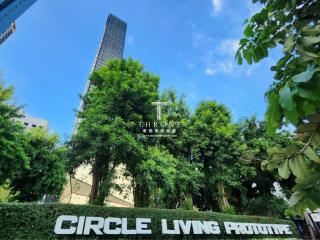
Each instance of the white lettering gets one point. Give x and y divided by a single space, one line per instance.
214 227
165 229
80 225
107 223
142 226
185 226
65 231
125 229
90 225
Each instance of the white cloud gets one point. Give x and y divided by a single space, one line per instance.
200 39
213 65
217 6
211 71
226 67
249 72
228 46
130 40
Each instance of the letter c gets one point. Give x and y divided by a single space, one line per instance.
65 231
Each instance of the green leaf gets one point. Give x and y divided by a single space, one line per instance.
284 169
305 76
261 17
272 115
293 3
283 60
254 55
248 31
288 44
286 98
307 41
309 108
243 41
272 44
311 154
296 197
315 196
247 56
309 54
292 116
310 94
239 59
316 139
298 166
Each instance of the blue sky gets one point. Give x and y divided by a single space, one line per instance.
190 44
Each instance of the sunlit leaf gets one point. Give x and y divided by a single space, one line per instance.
311 154
296 198
305 76
288 44
284 169
307 41
286 99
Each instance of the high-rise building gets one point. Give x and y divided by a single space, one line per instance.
112 44
7 33
10 10
78 188
111 47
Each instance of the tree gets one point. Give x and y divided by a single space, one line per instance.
46 173
257 197
295 95
217 145
157 175
189 174
119 98
12 138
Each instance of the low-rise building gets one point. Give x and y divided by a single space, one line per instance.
32 122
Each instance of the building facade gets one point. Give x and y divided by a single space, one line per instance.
112 44
111 47
30 122
78 188
10 10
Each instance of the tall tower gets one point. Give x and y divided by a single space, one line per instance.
111 47
112 43
78 188
10 10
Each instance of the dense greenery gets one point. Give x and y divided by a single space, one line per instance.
119 97
31 162
46 173
294 97
12 139
31 221
216 144
210 163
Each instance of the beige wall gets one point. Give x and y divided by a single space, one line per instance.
77 189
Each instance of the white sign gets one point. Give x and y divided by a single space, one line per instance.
82 225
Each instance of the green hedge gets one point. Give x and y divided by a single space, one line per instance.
33 221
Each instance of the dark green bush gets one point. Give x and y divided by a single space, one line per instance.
36 222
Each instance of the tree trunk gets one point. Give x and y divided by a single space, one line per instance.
96 179
141 196
223 196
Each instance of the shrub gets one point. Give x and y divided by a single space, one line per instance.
36 222
187 204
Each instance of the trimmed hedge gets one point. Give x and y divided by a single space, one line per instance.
36 222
